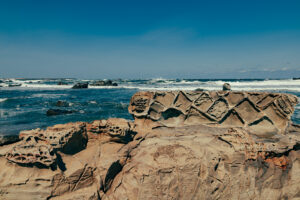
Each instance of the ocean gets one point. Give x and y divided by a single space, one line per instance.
25 105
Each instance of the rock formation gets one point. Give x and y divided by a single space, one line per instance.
8 139
226 87
264 114
104 83
181 145
80 86
52 112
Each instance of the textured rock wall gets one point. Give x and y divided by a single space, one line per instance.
213 153
262 113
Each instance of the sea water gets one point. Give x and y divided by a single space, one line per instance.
24 107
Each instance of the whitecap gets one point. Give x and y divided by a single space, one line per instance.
3 99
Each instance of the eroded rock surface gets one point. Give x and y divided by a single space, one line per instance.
264 114
163 154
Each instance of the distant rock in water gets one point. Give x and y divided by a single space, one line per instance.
52 112
62 83
226 87
60 103
104 83
14 85
80 86
296 78
8 139
199 90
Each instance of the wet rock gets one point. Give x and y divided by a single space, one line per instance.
62 83
199 90
60 103
14 85
80 86
104 83
226 87
8 139
52 112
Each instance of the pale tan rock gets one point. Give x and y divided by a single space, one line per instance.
182 145
252 110
199 162
114 129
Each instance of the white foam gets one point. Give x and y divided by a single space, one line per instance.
3 99
48 86
296 89
48 96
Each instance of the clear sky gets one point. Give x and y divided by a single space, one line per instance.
150 38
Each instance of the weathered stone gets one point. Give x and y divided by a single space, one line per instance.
244 109
32 151
117 129
188 149
67 138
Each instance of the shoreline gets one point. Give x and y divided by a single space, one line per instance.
211 142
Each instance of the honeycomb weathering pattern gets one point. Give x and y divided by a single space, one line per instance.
39 147
260 112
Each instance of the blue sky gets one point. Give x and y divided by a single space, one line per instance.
150 39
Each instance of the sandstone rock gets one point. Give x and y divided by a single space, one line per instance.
80 86
117 129
199 162
32 151
39 147
251 110
67 138
207 158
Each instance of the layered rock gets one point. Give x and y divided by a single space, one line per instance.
262 113
164 153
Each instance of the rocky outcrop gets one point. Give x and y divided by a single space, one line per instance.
226 87
52 112
61 103
104 83
115 129
80 86
264 114
8 139
153 158
38 147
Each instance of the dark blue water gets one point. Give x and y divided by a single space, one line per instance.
25 107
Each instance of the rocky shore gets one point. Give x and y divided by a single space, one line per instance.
181 145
